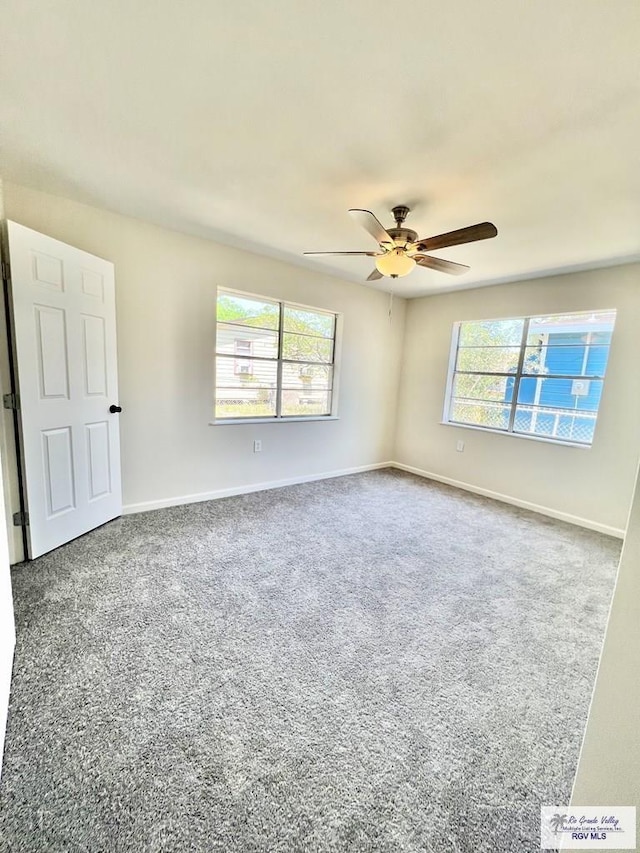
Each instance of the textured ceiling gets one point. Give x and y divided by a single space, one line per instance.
259 124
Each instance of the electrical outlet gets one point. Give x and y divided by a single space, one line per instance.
257 447
460 446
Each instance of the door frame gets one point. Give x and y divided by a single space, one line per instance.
12 465
9 479
14 405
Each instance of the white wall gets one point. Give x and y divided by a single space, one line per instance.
594 485
609 768
165 294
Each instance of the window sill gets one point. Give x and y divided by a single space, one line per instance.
519 435
296 420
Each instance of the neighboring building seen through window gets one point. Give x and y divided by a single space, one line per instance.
273 359
540 376
243 366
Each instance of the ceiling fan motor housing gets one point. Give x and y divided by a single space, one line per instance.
402 235
399 234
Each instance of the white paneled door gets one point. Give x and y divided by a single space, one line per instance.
63 303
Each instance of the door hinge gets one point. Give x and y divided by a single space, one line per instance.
20 519
6 271
11 401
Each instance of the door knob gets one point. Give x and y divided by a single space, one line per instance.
113 409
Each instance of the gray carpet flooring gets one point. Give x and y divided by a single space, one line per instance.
372 663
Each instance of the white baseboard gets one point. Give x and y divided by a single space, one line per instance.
508 499
146 506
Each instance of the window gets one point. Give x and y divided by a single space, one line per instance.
273 359
537 376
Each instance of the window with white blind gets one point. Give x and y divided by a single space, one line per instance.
533 376
274 360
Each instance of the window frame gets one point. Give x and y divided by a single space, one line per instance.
517 377
278 417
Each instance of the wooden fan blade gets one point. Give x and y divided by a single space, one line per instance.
440 265
368 254
372 225
374 276
481 231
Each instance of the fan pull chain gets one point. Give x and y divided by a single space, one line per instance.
390 304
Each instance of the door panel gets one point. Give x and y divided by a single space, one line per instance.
63 302
53 362
58 471
94 356
92 284
99 461
47 271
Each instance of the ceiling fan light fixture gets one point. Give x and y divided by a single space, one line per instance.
395 263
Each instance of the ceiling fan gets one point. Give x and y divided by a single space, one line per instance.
401 249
